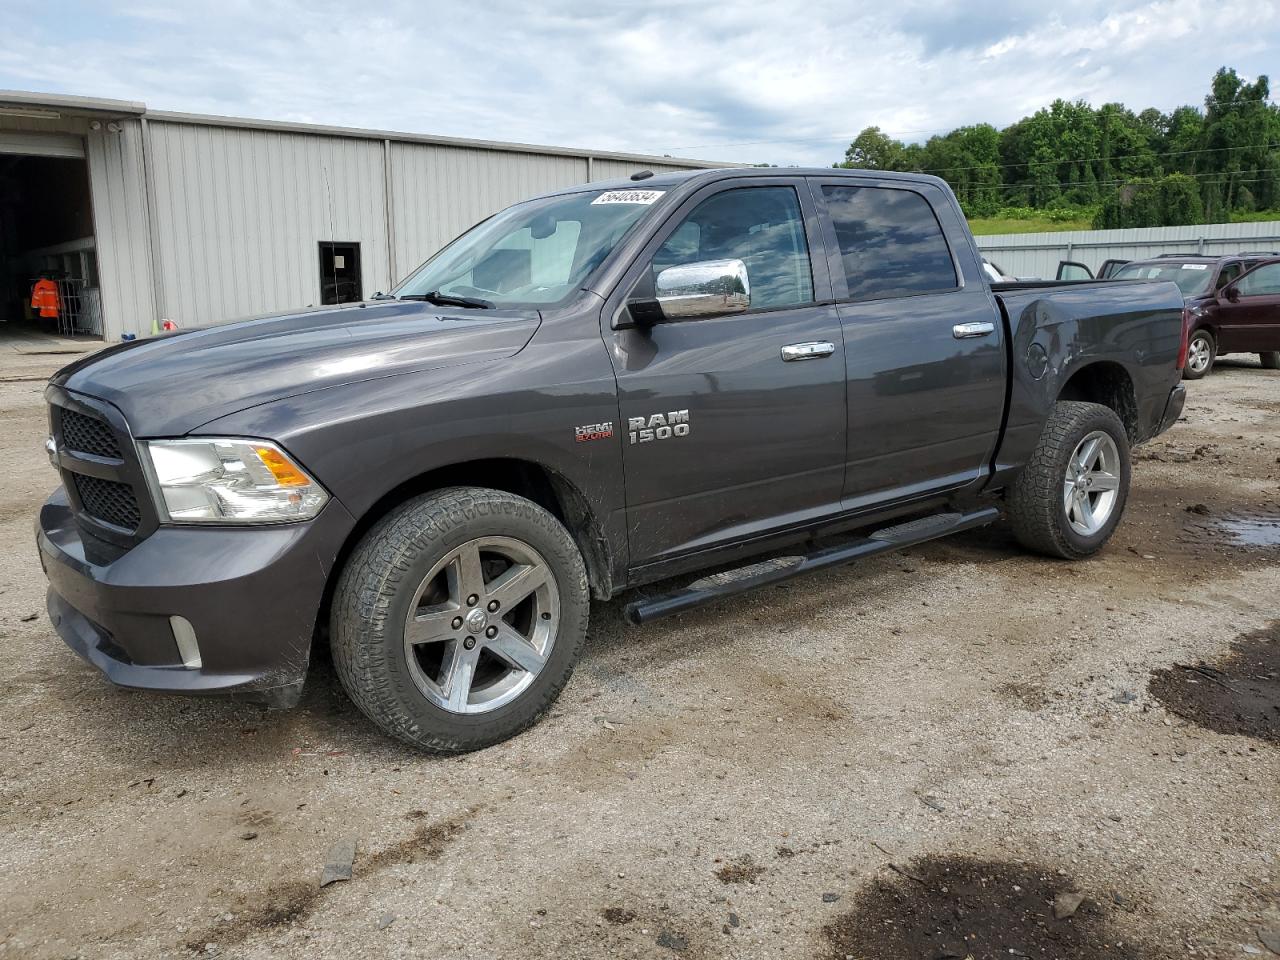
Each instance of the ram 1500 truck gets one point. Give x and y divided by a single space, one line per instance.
602 388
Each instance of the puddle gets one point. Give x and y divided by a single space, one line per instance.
1252 532
1238 693
956 907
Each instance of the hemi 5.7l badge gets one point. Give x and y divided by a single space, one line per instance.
593 431
659 426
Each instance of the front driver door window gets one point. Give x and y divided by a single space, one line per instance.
761 440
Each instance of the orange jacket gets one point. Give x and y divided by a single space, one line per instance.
44 297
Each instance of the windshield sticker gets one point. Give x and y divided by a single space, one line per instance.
1195 266
628 196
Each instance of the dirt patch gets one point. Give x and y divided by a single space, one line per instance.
1237 693
1030 696
285 903
742 870
618 916
956 907
280 905
427 842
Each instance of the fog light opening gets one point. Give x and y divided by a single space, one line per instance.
185 636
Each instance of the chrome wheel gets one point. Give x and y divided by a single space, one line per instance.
1092 484
482 625
1199 353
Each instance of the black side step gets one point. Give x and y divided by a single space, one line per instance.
783 568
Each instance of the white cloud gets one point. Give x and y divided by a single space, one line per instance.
756 81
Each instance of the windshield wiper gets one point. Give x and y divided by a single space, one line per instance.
449 300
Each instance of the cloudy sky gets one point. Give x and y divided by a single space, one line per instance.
748 81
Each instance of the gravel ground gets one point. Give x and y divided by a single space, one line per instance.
743 781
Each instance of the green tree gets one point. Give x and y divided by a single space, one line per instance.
1072 158
873 149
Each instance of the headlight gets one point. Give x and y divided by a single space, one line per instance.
230 481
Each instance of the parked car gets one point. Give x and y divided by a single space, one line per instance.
1233 304
590 391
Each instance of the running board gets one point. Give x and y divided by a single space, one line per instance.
729 582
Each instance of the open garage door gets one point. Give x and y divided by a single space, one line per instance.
64 145
48 252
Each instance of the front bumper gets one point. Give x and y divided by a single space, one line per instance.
251 595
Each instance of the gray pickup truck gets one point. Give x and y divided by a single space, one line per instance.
594 390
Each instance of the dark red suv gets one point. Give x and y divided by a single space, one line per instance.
1233 304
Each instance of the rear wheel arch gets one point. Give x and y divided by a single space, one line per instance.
1108 384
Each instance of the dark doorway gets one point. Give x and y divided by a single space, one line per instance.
46 239
340 272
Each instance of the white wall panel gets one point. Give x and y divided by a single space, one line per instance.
240 215
120 227
439 191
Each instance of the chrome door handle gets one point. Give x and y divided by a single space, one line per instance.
980 329
808 351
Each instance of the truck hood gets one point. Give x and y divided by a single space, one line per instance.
170 385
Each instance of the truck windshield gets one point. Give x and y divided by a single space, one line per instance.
533 253
1192 278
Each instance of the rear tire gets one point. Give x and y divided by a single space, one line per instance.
1270 360
1070 496
1202 350
459 617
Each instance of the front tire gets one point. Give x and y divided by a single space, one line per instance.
459 617
1070 496
1270 360
1202 350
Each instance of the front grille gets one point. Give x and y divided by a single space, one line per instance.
88 435
109 501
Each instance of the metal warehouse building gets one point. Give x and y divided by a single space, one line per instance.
139 215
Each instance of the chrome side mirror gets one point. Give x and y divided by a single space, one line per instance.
703 289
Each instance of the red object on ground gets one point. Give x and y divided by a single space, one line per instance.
168 326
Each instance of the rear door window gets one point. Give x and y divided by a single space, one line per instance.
891 244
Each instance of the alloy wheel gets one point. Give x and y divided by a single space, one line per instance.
482 625
1199 354
1092 484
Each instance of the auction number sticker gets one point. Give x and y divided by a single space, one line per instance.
628 196
1195 266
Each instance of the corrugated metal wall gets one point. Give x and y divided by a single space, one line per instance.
438 191
240 215
207 219
1037 254
240 211
120 227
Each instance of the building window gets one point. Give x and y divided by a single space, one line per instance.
340 272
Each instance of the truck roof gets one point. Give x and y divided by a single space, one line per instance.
678 178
